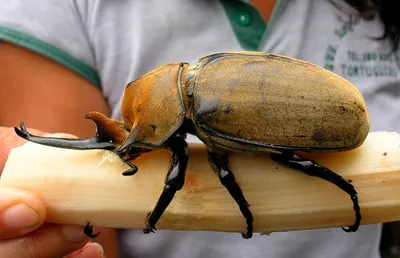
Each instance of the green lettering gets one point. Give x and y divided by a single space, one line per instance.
329 67
369 70
378 71
351 55
355 71
383 57
332 49
394 72
329 57
347 27
340 32
343 66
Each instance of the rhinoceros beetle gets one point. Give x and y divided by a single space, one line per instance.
244 102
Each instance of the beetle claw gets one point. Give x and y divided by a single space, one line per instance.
131 171
88 230
149 228
247 235
352 228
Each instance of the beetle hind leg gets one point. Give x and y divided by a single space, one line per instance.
311 168
219 164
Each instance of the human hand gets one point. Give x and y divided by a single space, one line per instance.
23 232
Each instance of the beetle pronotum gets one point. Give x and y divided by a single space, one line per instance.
248 102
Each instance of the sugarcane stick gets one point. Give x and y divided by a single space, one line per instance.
87 186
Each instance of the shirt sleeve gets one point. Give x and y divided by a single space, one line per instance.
54 29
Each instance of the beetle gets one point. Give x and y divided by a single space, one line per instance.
245 102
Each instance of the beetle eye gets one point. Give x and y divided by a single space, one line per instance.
132 151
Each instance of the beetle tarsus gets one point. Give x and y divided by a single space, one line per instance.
88 230
354 228
219 164
311 168
149 227
173 182
131 171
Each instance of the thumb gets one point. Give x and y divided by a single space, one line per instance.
9 140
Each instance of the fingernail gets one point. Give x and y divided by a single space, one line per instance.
91 250
21 216
99 248
73 233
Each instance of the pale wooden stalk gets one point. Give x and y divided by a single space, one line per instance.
81 186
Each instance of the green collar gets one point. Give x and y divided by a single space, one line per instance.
247 22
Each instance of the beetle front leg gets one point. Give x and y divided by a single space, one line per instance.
88 230
131 170
219 164
311 168
173 182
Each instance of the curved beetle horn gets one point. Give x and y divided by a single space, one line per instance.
131 139
79 144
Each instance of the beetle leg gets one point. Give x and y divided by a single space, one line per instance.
88 230
131 171
311 168
173 182
219 164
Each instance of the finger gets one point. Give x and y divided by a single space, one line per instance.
90 250
20 212
48 241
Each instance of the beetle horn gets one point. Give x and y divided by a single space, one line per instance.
78 144
131 139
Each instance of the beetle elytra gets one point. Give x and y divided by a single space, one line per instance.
247 102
